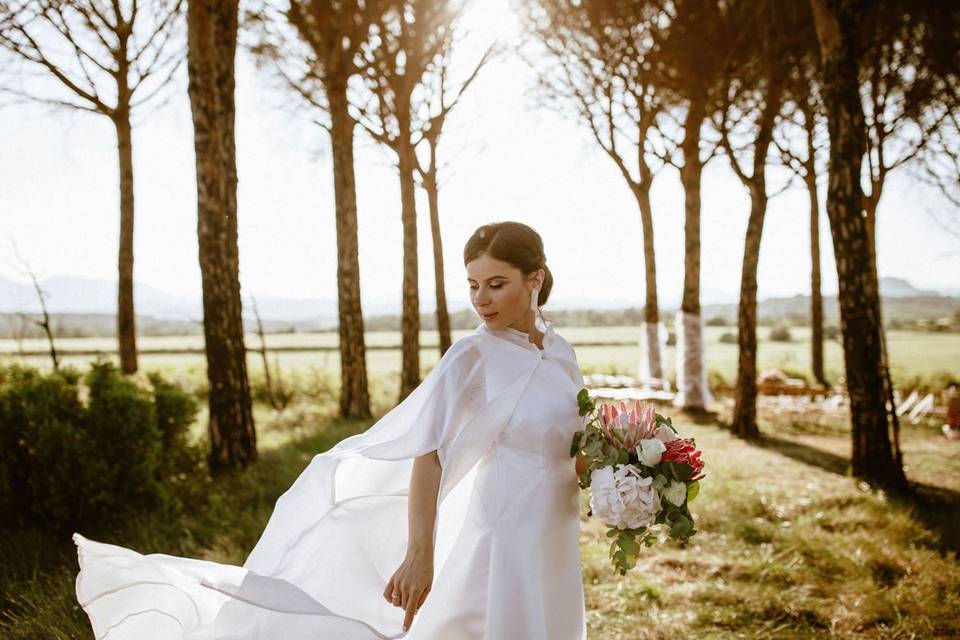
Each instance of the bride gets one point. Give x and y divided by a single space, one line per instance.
454 517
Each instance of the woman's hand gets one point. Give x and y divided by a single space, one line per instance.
410 583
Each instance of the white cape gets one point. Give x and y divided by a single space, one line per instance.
340 531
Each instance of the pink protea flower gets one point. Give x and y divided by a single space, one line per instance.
626 428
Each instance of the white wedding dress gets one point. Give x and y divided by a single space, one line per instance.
500 412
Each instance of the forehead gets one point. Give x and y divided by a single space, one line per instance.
484 267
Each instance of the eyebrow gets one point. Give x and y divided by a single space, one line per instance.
489 279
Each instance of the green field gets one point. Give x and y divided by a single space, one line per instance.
915 355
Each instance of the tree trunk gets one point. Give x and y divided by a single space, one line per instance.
354 389
816 297
443 318
410 317
651 312
126 319
745 408
212 41
873 456
692 391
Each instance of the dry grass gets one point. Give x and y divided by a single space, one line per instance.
788 548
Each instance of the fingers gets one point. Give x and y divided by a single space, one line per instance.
388 591
410 606
423 597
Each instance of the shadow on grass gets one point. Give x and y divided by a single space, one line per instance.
937 508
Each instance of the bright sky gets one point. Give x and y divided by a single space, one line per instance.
59 201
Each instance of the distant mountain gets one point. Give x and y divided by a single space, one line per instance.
899 288
68 295
84 306
900 301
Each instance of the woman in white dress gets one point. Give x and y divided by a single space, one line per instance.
454 517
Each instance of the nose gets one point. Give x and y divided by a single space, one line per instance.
481 300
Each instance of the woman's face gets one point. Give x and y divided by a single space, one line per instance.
500 294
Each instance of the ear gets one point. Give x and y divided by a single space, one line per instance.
537 279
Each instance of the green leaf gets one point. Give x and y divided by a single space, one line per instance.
613 533
693 490
630 547
680 472
681 527
593 449
575 444
585 403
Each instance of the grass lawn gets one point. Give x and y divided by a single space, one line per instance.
788 547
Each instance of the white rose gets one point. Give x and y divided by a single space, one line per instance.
665 434
649 451
621 498
676 493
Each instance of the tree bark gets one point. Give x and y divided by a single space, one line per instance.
443 317
745 406
651 311
874 458
410 316
354 389
816 297
212 41
690 179
744 422
126 319
692 364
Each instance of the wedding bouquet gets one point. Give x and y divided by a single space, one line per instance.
640 473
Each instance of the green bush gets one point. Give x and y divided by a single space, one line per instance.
80 450
176 410
728 338
780 333
716 321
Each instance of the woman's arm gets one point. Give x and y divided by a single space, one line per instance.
413 578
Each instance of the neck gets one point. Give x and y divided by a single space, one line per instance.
525 323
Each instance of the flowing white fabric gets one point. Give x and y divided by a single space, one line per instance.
500 412
693 392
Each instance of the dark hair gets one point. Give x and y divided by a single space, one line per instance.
514 243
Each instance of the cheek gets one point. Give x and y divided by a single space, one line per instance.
513 298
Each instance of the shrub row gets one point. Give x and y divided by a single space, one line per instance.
80 449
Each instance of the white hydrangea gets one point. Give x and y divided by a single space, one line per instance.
621 498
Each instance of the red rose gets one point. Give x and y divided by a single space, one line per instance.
683 451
